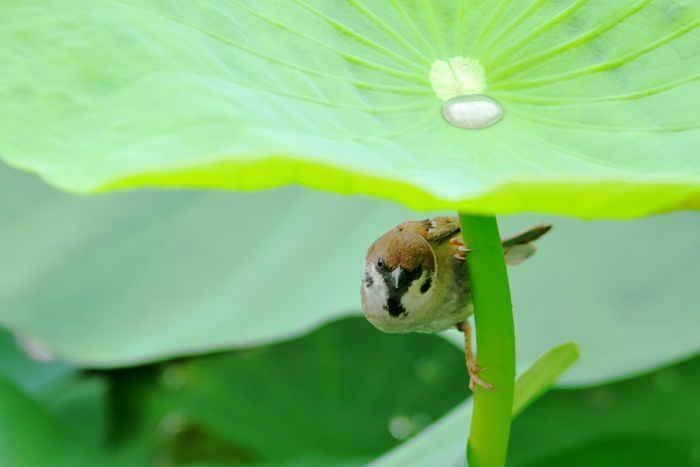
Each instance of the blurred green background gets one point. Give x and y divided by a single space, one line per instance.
342 395
182 328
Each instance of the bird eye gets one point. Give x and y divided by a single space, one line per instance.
380 263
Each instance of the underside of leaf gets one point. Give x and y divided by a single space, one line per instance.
600 99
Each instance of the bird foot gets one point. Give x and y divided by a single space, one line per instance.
471 360
461 249
474 378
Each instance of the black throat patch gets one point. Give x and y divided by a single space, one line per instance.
394 307
393 302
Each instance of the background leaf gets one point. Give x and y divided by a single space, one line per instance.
443 443
613 287
132 277
69 397
117 279
599 99
30 436
342 395
647 421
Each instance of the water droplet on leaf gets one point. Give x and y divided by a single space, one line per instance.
472 111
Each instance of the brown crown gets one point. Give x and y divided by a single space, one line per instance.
405 249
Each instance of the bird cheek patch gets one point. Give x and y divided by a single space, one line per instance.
426 285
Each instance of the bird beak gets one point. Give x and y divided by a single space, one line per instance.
396 273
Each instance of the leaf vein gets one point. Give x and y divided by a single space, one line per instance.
603 128
603 66
389 31
563 47
360 38
517 97
503 54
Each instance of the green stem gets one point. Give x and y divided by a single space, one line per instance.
495 334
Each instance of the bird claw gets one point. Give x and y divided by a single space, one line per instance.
474 378
461 249
457 241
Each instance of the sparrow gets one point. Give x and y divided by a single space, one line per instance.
416 279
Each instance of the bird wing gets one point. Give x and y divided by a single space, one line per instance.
526 236
518 247
433 229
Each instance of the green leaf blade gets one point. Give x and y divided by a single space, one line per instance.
542 375
338 97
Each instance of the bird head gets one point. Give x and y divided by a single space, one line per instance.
396 263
